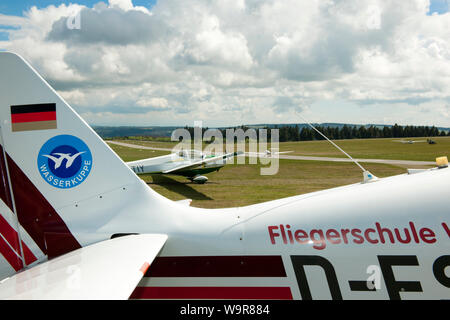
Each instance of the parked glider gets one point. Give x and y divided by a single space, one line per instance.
267 153
409 141
191 164
94 230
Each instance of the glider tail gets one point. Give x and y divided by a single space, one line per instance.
58 177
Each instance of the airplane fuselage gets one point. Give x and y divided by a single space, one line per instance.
384 239
388 239
160 164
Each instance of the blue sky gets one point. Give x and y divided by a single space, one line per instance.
439 6
17 7
4 35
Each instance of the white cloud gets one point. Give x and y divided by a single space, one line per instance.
212 46
239 61
159 103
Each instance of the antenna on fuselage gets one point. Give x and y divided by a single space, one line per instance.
367 175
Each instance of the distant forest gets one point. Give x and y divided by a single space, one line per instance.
304 133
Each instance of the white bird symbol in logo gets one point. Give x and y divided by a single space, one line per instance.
58 160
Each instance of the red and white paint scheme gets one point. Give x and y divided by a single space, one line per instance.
77 223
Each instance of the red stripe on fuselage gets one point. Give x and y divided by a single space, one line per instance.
257 293
5 192
12 237
37 216
9 254
217 266
9 234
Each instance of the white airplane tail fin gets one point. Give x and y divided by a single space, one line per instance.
57 174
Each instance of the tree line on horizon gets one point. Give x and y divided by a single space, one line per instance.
299 133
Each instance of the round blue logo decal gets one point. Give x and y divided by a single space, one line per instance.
64 161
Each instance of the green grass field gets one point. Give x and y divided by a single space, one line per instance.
374 148
242 184
389 148
130 154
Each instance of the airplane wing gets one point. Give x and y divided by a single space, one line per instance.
204 161
109 269
267 153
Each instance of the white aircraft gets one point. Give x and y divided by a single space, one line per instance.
91 231
191 164
409 141
267 153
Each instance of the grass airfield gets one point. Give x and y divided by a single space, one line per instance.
241 184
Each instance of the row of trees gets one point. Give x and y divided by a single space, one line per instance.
305 133
294 133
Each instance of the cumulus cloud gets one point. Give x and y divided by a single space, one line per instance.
158 103
117 24
237 61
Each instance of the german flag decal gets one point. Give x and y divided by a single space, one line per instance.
33 117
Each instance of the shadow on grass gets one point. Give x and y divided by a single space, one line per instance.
178 187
